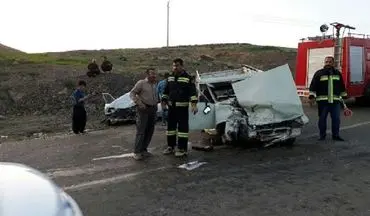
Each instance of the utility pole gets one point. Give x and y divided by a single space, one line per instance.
168 23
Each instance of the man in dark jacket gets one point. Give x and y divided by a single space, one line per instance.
106 66
327 87
179 92
93 69
79 113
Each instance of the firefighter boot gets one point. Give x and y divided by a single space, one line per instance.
169 150
180 153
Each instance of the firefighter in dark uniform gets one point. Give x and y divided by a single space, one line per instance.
179 92
327 87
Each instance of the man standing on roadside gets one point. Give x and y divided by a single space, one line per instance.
180 91
160 88
145 96
327 87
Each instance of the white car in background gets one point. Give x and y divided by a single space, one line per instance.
122 109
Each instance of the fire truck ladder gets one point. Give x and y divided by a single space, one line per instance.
338 42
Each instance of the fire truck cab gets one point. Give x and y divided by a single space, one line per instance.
354 63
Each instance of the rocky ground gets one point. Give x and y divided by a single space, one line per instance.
43 106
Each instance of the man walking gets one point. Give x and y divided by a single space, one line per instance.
178 93
160 89
145 96
327 87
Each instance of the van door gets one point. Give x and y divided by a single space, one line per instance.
108 98
203 120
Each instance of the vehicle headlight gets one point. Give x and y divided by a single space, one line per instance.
110 110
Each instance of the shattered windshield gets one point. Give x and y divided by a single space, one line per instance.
222 91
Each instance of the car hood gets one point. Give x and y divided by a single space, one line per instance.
269 97
123 102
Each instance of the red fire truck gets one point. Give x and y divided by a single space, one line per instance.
352 57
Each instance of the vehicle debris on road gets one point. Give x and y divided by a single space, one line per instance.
191 165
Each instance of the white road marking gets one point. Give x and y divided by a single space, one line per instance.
126 155
67 172
111 180
342 128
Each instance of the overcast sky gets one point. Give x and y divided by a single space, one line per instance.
59 25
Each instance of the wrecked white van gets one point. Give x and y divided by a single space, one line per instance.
250 105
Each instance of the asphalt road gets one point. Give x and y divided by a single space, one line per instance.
313 178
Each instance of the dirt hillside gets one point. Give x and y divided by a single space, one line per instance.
37 87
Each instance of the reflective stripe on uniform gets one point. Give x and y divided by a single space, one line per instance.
330 89
324 78
326 98
335 77
171 79
183 79
182 104
171 133
337 97
182 135
178 104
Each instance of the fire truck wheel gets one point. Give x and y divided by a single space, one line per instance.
365 99
362 101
